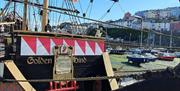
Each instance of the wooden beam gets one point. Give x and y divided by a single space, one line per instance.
6 23
53 34
109 71
45 15
24 27
18 75
14 12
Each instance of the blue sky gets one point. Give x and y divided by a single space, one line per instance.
132 6
118 10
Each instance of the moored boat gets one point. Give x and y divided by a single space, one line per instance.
141 58
166 56
136 58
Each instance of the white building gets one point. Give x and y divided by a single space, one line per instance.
137 25
156 26
150 14
164 14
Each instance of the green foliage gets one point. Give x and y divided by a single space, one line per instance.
126 34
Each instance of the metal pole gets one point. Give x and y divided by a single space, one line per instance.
153 44
170 43
141 32
130 37
160 38
148 39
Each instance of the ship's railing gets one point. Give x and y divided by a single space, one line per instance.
85 78
57 85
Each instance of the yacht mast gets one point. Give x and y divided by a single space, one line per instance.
45 15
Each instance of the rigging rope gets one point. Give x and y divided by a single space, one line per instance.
135 75
78 19
90 9
72 18
84 13
121 8
72 7
5 8
59 19
106 23
70 79
80 6
68 12
89 6
108 11
81 9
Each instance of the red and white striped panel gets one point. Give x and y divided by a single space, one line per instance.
44 46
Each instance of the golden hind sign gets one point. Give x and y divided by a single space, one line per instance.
58 50
79 60
41 60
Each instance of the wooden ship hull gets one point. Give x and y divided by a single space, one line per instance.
32 54
29 55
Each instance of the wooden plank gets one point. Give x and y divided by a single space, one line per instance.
6 23
109 71
18 75
53 34
25 15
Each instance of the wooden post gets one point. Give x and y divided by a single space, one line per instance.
45 15
6 23
25 16
109 71
18 75
14 11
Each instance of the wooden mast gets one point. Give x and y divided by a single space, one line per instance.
24 26
45 15
14 11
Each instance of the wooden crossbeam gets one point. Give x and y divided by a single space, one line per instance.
18 75
6 23
109 71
